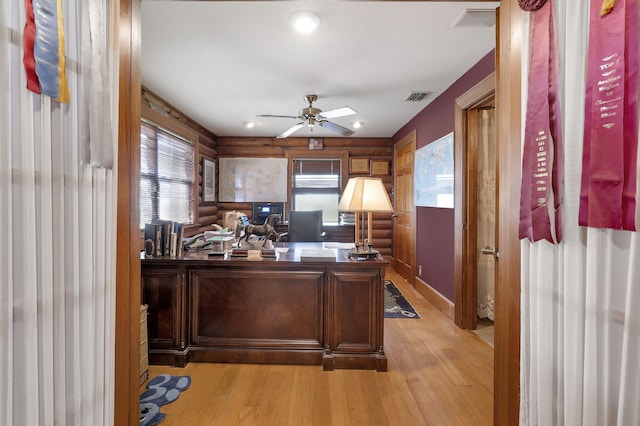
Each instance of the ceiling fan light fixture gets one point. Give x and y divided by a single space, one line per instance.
305 21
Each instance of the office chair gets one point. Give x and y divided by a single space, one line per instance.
305 226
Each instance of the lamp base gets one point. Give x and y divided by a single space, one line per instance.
369 254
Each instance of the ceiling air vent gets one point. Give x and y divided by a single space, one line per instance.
476 18
416 96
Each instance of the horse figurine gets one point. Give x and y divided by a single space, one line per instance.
266 231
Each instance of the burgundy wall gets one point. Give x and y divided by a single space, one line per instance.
434 226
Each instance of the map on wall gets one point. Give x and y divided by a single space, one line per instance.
433 174
253 179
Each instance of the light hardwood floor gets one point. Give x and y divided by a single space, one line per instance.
438 375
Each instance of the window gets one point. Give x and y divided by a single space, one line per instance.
316 186
166 176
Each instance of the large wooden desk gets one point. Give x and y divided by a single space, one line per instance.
281 311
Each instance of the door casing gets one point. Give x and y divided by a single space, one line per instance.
404 223
507 349
465 258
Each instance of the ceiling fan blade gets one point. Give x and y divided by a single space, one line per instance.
337 112
336 128
289 131
277 116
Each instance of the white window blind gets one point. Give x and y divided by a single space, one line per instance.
166 176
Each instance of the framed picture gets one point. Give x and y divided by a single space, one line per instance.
359 165
379 167
316 143
208 180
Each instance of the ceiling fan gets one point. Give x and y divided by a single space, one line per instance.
312 116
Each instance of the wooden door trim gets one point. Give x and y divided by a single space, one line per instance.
465 308
506 385
127 305
410 139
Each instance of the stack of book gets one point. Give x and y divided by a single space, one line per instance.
163 238
317 255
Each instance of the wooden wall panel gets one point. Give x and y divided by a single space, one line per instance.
162 106
272 147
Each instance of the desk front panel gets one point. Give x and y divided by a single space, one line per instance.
163 292
283 308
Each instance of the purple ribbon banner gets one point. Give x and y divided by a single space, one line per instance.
609 159
541 191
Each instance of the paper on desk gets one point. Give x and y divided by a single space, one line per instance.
339 245
282 249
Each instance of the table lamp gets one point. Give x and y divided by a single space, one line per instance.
365 194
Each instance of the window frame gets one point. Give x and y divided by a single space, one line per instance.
327 154
171 125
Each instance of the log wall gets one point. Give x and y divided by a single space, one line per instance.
211 146
370 148
164 114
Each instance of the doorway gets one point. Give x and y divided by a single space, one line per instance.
476 212
482 119
507 353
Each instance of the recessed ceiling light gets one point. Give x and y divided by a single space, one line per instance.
357 125
305 21
250 124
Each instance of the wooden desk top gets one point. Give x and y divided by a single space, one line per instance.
285 253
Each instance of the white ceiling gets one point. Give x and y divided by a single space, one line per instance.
224 62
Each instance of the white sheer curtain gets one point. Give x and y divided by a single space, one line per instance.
580 319
486 212
57 221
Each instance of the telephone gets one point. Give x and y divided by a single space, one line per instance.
197 242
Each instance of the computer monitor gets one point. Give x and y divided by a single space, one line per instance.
262 210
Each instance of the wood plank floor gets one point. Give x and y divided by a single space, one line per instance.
438 375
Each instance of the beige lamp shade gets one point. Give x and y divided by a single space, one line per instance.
365 194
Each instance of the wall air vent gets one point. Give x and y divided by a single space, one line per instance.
476 18
416 96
